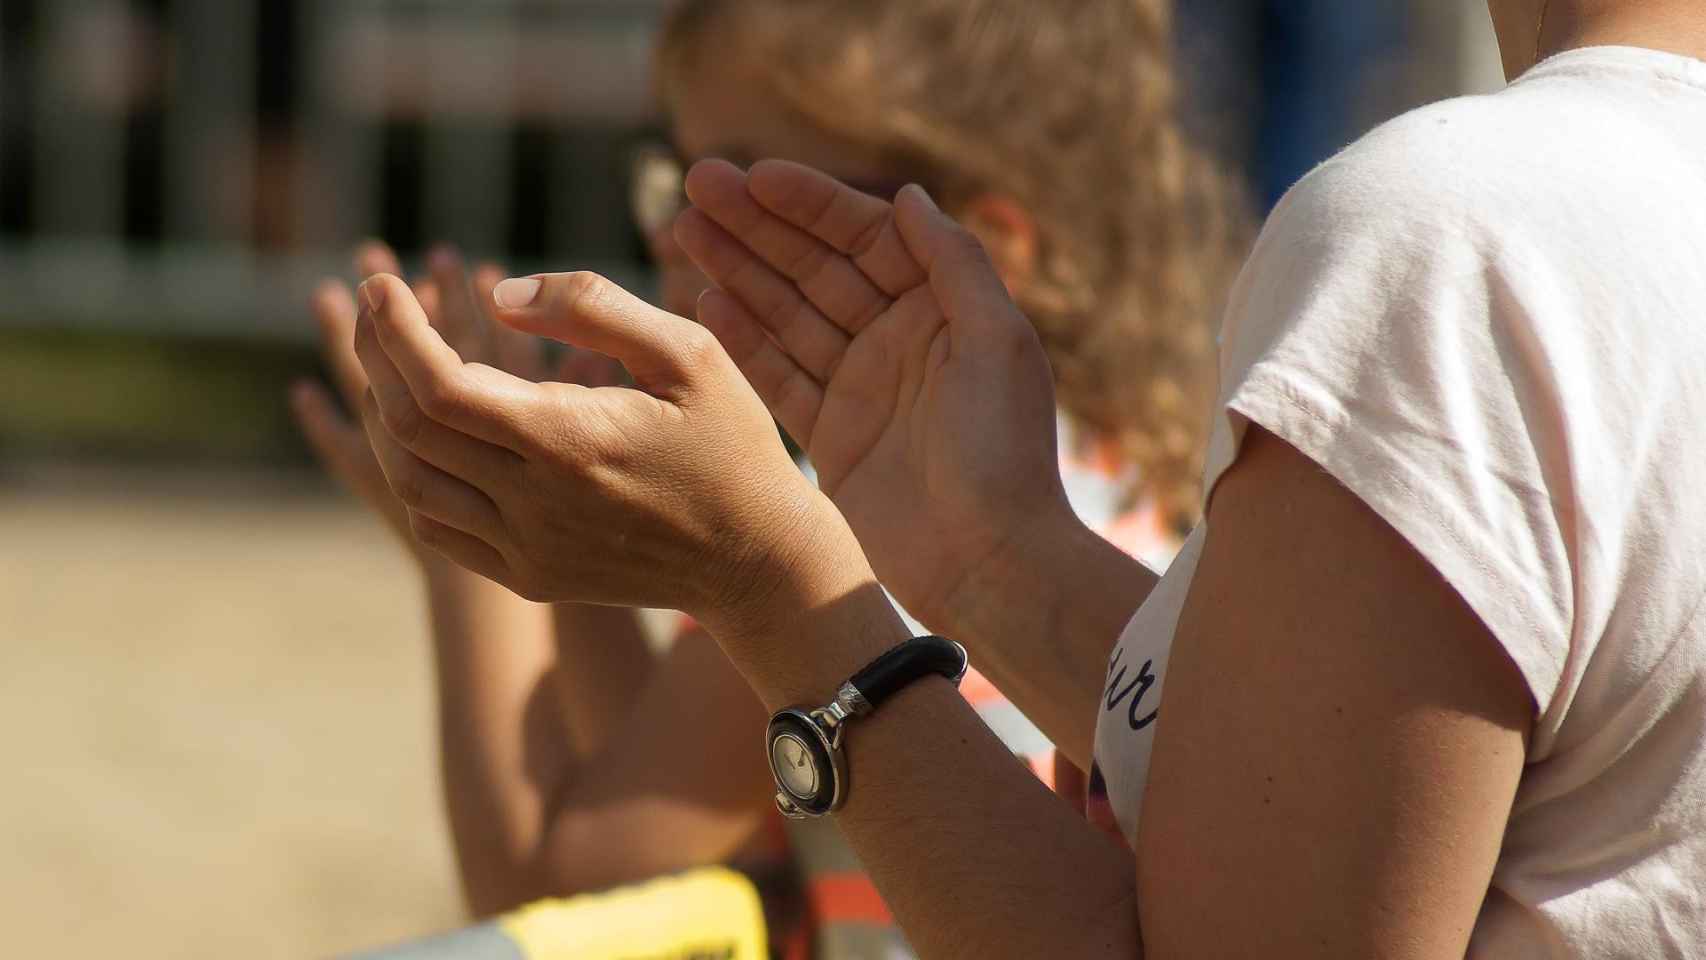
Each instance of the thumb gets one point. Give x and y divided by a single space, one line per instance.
662 351
962 276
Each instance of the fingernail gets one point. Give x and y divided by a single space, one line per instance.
924 195
372 295
517 292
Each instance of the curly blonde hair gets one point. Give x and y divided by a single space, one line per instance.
1068 108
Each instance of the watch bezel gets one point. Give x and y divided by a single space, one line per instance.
831 766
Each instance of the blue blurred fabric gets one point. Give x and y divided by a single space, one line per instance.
1281 85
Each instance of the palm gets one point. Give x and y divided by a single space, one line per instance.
929 418
881 401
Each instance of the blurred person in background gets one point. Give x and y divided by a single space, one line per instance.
1435 675
1000 102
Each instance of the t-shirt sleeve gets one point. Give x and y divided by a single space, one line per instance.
1381 330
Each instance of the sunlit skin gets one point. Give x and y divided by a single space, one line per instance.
540 807
1674 26
900 361
512 725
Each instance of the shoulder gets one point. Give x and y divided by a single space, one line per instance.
1440 204
1551 159
1430 173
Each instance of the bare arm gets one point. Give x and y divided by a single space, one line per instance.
1043 639
1342 737
973 854
674 783
1384 822
603 664
671 782
1341 746
500 739
529 697
677 783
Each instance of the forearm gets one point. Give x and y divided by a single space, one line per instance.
500 731
603 664
1040 617
973 854
680 783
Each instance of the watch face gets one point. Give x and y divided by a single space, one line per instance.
795 768
809 773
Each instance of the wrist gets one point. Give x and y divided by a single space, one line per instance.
797 554
810 612
1025 560
1043 567
803 655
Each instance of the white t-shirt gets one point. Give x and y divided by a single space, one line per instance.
1487 319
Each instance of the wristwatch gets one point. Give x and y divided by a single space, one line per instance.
805 745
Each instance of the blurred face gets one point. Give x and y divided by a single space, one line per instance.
725 110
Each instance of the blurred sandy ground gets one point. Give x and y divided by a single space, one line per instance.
215 723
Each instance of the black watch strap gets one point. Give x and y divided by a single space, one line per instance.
911 660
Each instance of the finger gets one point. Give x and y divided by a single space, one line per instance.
408 360
961 274
813 342
460 319
823 274
373 257
334 310
425 489
339 444
793 397
857 224
464 550
665 353
457 453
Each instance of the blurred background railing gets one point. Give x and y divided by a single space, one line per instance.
175 176
176 165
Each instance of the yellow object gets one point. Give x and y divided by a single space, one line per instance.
711 914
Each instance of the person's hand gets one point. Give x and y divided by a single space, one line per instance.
884 342
677 494
454 300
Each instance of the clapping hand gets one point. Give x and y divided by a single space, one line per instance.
675 493
457 303
884 342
